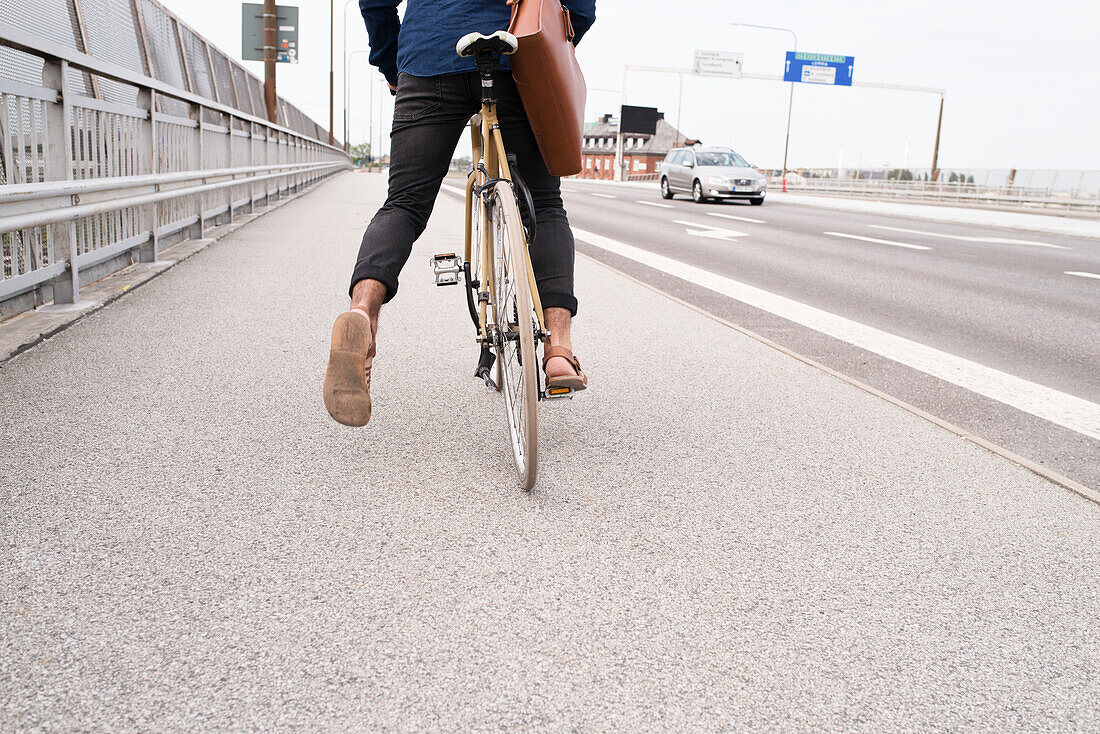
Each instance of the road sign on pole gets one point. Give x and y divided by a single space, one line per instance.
819 69
718 63
252 33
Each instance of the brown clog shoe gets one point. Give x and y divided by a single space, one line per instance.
347 379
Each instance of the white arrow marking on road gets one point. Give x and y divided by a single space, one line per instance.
739 219
1082 275
877 242
964 238
653 203
1070 411
714 233
604 196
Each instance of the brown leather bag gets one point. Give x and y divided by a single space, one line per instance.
550 81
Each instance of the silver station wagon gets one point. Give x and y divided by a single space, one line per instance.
711 173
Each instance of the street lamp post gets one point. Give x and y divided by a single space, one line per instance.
331 72
347 103
347 144
790 101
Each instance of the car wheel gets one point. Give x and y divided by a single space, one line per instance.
666 192
697 193
756 200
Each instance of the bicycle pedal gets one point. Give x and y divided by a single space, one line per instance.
558 393
445 268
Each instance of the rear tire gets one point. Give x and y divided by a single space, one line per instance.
697 193
513 314
666 192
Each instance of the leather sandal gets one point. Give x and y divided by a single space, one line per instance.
347 380
575 382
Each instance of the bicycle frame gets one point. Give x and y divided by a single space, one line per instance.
490 165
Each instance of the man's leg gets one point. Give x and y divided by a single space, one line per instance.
552 253
429 115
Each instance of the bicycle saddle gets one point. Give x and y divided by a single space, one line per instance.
473 44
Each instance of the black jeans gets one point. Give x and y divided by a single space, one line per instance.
430 115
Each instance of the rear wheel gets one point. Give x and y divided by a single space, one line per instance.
514 314
697 193
666 192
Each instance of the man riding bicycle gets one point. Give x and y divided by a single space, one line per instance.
436 94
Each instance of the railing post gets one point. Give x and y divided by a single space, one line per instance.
147 161
59 167
251 162
229 164
197 228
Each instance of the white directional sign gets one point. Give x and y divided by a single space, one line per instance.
718 63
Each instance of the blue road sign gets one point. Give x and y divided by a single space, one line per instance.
819 68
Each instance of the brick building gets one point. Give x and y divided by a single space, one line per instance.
642 154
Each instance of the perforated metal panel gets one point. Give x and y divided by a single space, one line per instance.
164 53
20 66
244 92
111 34
54 20
202 79
223 79
195 51
256 89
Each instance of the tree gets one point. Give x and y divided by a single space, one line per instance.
360 153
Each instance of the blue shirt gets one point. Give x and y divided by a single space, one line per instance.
424 45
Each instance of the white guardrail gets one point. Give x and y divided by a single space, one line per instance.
959 193
91 185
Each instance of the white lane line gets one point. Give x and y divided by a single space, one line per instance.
653 203
604 196
739 219
965 238
571 191
1057 407
455 189
1080 274
877 241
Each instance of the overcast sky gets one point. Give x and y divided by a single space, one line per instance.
1023 85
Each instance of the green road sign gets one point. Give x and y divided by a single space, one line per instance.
286 33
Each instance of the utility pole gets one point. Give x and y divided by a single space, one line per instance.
270 23
936 150
331 72
790 100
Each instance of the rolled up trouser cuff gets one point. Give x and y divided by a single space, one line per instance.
370 272
559 300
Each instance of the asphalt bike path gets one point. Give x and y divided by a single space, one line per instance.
722 536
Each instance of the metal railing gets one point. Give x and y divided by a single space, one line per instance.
103 165
1076 191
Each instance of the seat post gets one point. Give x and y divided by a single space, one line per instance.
487 62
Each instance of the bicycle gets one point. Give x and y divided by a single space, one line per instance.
501 292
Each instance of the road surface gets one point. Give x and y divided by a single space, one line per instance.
1024 307
723 537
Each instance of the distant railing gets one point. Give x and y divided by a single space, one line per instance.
1077 191
103 165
